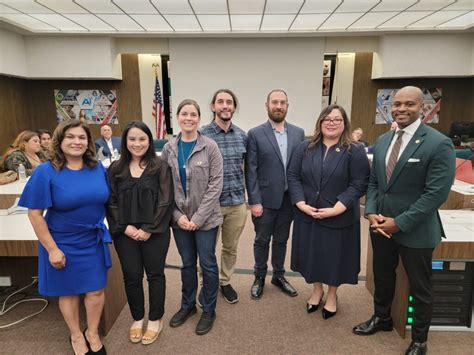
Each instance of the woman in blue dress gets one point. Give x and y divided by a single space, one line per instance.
73 255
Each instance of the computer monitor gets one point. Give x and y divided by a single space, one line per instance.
463 130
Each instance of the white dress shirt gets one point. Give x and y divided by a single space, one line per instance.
408 133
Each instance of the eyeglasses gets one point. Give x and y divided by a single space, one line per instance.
334 121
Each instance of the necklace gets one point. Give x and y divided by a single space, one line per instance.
182 153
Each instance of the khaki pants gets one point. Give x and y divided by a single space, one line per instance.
234 218
230 231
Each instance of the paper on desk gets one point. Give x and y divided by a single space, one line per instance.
15 209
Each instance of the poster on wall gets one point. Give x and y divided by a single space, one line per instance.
431 105
326 92
90 106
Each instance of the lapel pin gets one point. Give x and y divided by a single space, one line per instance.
417 141
338 150
199 163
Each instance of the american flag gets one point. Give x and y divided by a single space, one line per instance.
158 110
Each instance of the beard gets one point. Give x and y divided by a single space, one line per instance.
277 118
227 116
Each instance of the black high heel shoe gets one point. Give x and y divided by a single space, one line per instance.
310 308
101 351
328 314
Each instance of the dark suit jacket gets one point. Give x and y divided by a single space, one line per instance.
265 174
343 177
116 141
420 183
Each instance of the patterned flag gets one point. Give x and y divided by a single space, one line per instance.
158 110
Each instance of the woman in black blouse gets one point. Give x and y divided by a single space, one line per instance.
139 211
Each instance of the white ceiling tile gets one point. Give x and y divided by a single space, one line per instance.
242 7
394 5
210 7
339 21
214 22
62 6
29 22
136 6
59 22
463 21
100 6
173 7
430 5
185 23
245 22
120 22
356 5
436 19
372 20
91 22
320 6
153 23
7 10
276 22
404 19
308 22
27 6
283 6
461 5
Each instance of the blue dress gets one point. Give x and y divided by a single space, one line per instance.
75 202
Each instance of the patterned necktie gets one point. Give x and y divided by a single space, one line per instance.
392 160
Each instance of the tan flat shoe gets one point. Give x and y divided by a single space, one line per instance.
152 335
135 335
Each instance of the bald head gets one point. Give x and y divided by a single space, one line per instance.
407 105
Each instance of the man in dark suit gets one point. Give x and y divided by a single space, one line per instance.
412 173
107 141
269 148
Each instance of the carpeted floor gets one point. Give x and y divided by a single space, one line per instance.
276 324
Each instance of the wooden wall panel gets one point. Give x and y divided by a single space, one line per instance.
29 104
457 104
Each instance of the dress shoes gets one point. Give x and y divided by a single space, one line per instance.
373 325
257 288
327 314
310 308
416 349
285 286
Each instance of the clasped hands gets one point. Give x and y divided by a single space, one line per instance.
382 225
316 213
137 234
186 224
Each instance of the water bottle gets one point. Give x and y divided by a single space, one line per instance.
115 155
21 172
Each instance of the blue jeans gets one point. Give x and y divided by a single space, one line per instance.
190 246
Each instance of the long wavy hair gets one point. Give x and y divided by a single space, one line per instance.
58 159
345 140
149 159
20 142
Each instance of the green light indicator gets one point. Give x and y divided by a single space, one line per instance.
410 320
410 309
410 298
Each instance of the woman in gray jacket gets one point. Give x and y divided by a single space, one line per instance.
197 169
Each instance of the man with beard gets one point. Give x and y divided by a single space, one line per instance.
269 150
232 143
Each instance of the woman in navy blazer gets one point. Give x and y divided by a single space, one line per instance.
327 175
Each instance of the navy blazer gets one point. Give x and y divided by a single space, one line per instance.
265 175
343 176
116 141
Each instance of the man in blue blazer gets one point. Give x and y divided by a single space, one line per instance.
107 141
412 173
269 149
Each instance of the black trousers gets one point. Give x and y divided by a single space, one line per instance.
274 223
417 264
136 256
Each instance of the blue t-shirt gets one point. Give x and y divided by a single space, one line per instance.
184 151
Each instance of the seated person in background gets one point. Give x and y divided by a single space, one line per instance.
24 150
107 141
45 141
357 136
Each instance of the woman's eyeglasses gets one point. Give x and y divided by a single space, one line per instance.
334 121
